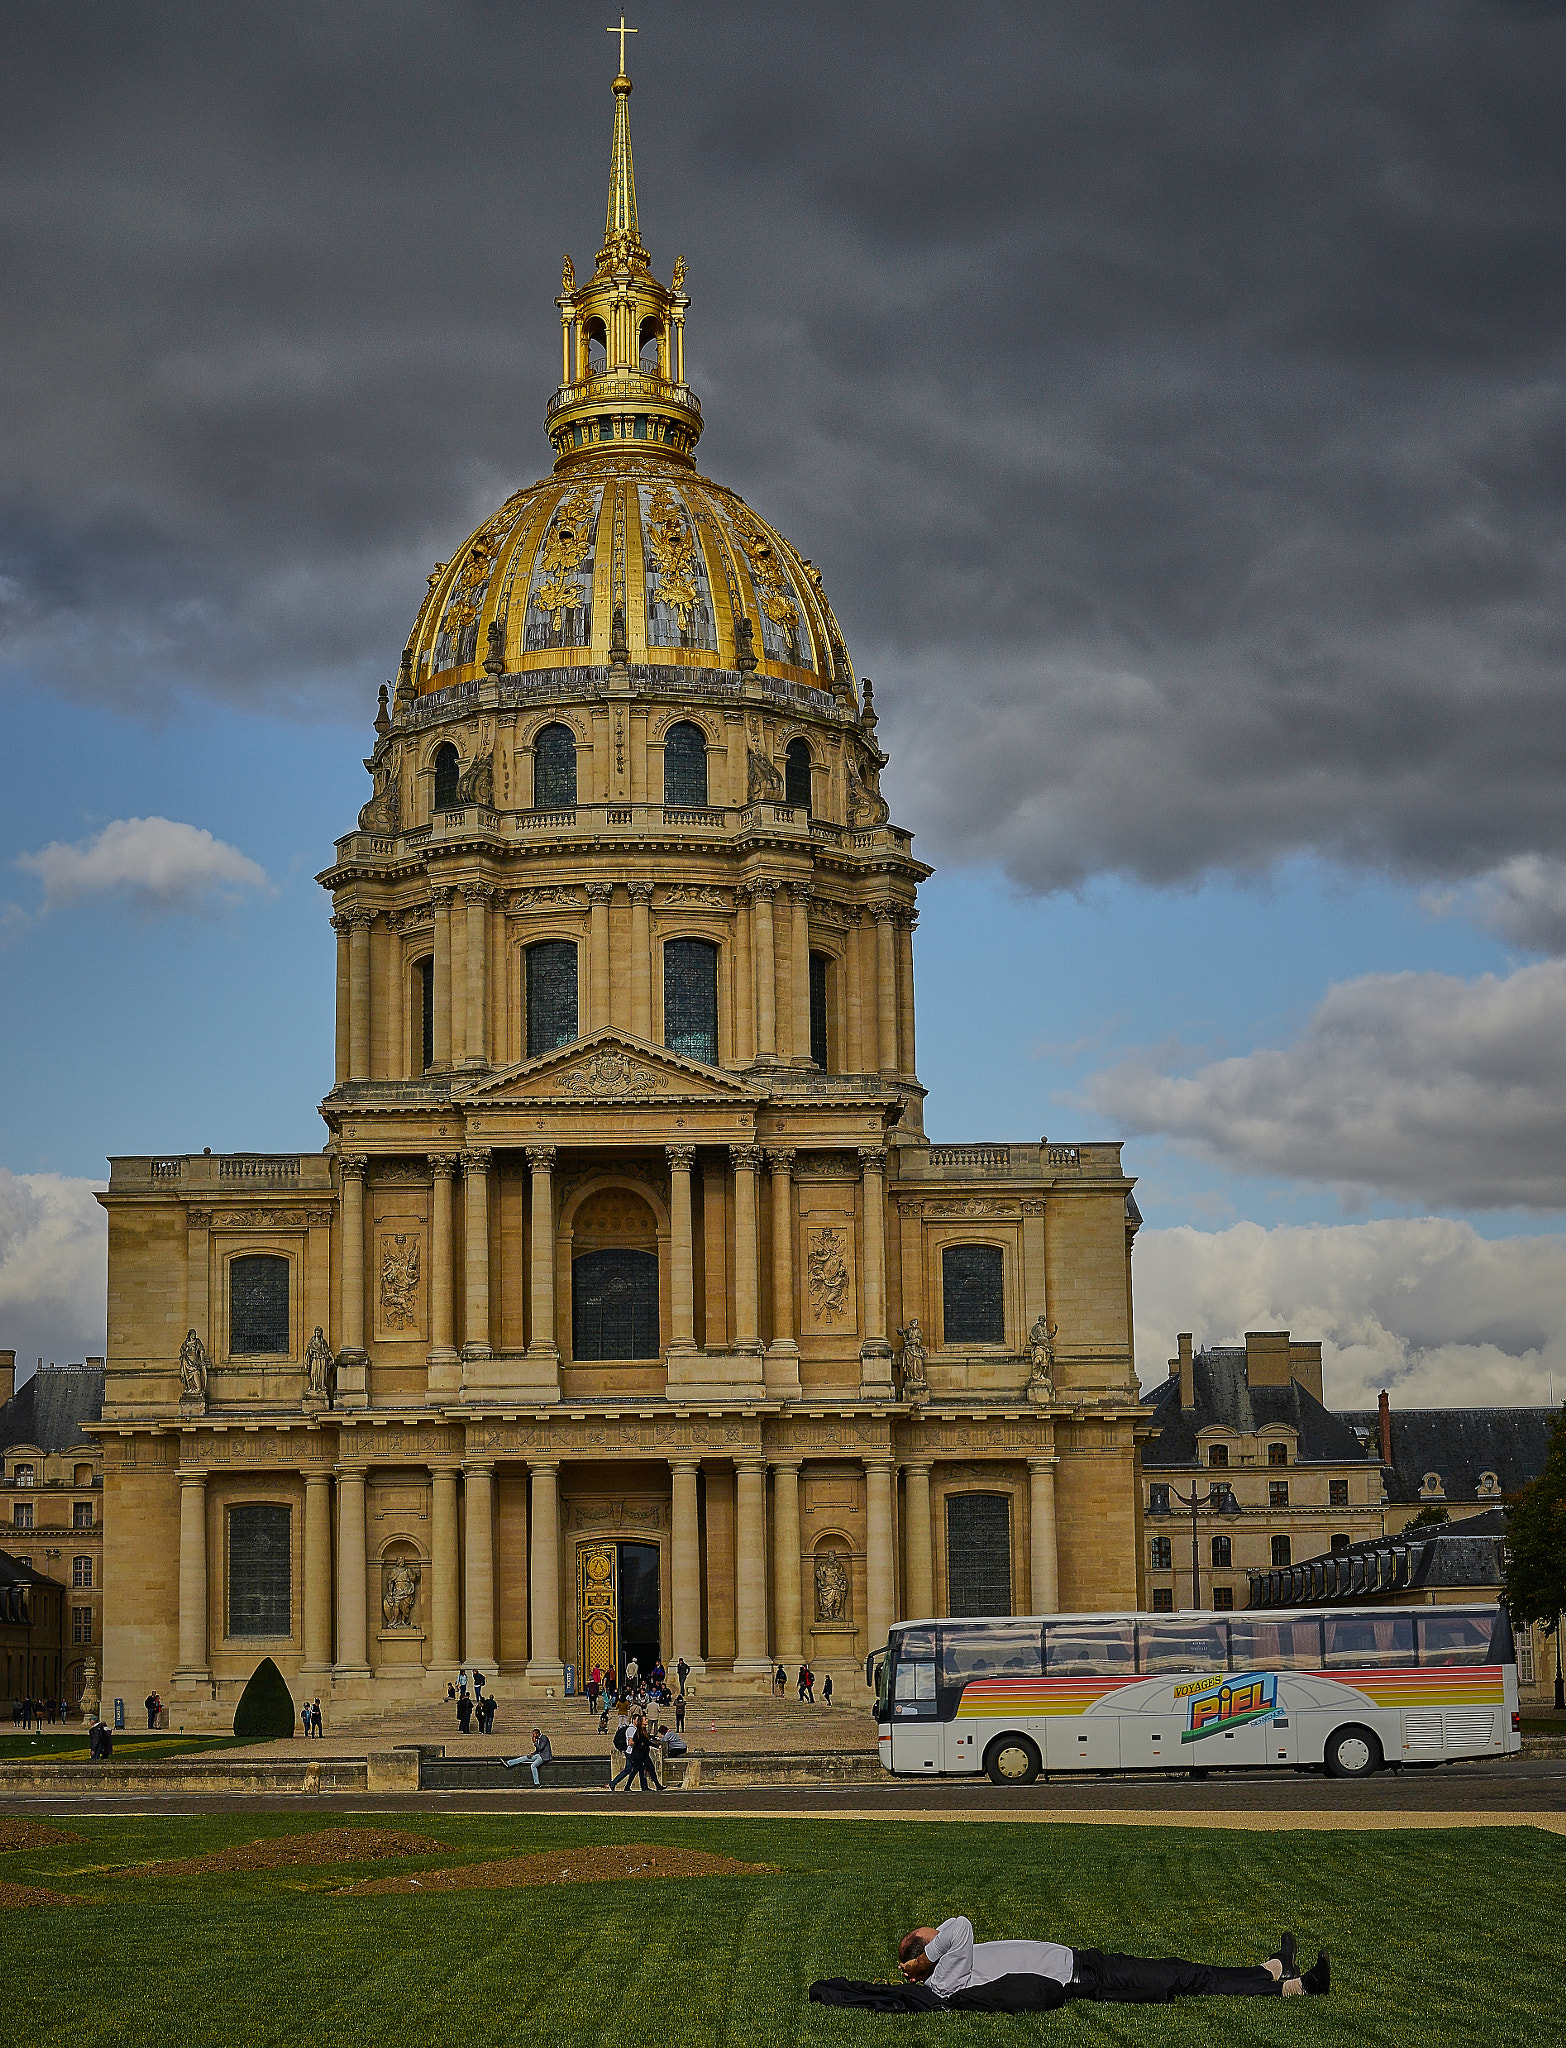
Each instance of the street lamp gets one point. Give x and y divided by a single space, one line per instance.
1218 1500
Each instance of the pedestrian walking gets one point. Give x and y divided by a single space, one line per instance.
809 1694
780 1682
826 1690
624 1736
679 1715
464 1713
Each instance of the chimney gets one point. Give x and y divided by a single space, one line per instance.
7 1375
1384 1418
1187 1374
1305 1366
1267 1358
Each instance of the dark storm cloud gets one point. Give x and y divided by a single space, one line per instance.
1172 397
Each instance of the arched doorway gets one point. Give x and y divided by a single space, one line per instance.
614 1278
617 1605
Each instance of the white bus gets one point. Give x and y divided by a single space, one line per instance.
1348 1688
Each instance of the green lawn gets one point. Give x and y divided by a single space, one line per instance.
69 1744
1436 1937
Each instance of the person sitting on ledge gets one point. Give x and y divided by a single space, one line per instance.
541 1754
944 1968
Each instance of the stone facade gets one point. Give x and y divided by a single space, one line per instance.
667 1311
51 1497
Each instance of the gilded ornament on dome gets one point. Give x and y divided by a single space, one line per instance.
672 545
765 568
567 545
568 275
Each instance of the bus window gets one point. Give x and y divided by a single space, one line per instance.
913 1690
1090 1649
1366 1642
997 1649
1181 1646
915 1642
1448 1638
1256 1644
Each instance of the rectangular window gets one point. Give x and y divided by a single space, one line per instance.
1094 1649
424 982
1367 1642
820 969
973 1294
81 1514
21 1514
81 1624
1182 1646
81 1571
978 1553
1280 1552
988 1652
23 1475
1218 1454
1525 1656
1340 1543
1449 1638
551 995
1277 1493
1163 1600
258 1306
690 998
1337 1493
1259 1644
1277 1454
1158 1500
1223 1598
1222 1552
1159 1554
260 1586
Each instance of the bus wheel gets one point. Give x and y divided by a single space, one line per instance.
1353 1753
1011 1760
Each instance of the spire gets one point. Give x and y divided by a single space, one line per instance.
622 171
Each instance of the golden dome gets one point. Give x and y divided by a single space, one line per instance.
625 554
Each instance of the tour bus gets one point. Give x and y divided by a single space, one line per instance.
1348 1688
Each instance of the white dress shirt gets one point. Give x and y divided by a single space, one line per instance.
960 1961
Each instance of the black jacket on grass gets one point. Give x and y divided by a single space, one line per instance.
1001 1994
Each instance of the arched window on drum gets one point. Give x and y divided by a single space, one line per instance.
796 775
690 998
447 774
685 765
554 769
551 995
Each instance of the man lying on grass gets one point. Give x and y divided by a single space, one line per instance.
944 1967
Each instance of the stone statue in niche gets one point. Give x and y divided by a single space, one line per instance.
192 1371
916 1387
764 783
1041 1360
320 1369
383 813
831 1587
476 784
402 1589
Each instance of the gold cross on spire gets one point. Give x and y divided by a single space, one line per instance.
622 32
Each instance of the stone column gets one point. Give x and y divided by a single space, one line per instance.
745 1160
443 1350
854 1061
765 957
921 1557
359 994
476 1052
475 1167
880 1579
445 1647
686 1560
541 1252
479 1632
905 990
1044 1559
682 1293
750 1569
342 924
799 896
351 1170
544 1666
785 1561
783 1352
641 894
352 1658
193 1664
317 1572
441 898
886 986
598 895
875 1353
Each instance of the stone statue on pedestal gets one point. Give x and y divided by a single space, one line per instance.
402 1589
831 1587
320 1369
192 1371
1041 1356
916 1387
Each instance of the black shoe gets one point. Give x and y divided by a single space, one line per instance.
1284 1953
1318 1979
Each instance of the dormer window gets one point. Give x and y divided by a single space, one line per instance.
1218 1455
23 1475
1431 1487
1277 1454
1489 1486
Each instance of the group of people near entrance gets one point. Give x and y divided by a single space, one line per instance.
310 1717
806 1682
473 1706
651 1688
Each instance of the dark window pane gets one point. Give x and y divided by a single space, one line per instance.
554 769
1339 1543
1447 1638
1277 1493
1280 1550
1160 1555
446 775
973 1298
1263 1645
1361 1642
1223 1596
614 1304
1181 1646
685 765
426 973
1008 1652
1093 1649
259 1584
978 1553
258 1305
690 999
1218 1454
551 995
820 965
796 774
1158 1500
1222 1552
1163 1600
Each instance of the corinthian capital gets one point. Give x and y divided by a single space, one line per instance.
872 1158
780 1158
680 1157
600 892
541 1158
352 1165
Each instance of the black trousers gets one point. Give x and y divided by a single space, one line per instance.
1139 1980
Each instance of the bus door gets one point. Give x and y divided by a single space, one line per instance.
1085 1665
916 1730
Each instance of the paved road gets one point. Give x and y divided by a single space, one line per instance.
1467 1790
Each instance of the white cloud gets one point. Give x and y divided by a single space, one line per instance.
158 862
1421 1086
1522 899
1422 1306
54 1242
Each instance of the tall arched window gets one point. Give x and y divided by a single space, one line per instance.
685 765
978 1553
554 769
447 771
973 1300
258 1305
796 776
551 995
820 986
260 1576
690 998
424 983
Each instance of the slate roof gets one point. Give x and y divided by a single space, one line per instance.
1460 1444
15 1578
1455 1555
1225 1400
50 1410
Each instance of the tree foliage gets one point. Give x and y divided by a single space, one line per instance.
1430 1517
1536 1540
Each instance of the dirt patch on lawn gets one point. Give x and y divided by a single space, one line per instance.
33 1895
629 1861
31 1834
298 1852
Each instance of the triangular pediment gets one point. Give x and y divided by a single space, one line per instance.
607 1066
